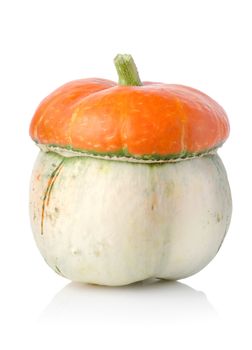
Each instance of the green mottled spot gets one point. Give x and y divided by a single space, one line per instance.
169 189
58 270
219 217
104 167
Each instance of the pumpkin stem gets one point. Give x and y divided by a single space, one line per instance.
127 70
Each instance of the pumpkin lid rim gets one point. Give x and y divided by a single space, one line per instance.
68 152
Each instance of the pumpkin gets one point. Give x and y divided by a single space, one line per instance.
128 184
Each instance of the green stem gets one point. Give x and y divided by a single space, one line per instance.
127 70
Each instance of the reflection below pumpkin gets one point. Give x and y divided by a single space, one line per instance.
148 302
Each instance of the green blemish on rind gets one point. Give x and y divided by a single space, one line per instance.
46 198
125 154
169 189
58 270
219 217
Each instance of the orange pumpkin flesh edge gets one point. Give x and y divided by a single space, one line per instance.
155 119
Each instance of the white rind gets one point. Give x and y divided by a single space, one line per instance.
114 223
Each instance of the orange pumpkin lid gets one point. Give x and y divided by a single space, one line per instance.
145 121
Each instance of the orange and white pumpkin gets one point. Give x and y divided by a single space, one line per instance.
128 184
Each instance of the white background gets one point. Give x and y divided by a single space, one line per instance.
204 44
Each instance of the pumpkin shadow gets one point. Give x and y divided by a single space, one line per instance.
151 301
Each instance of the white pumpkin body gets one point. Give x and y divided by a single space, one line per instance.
114 223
